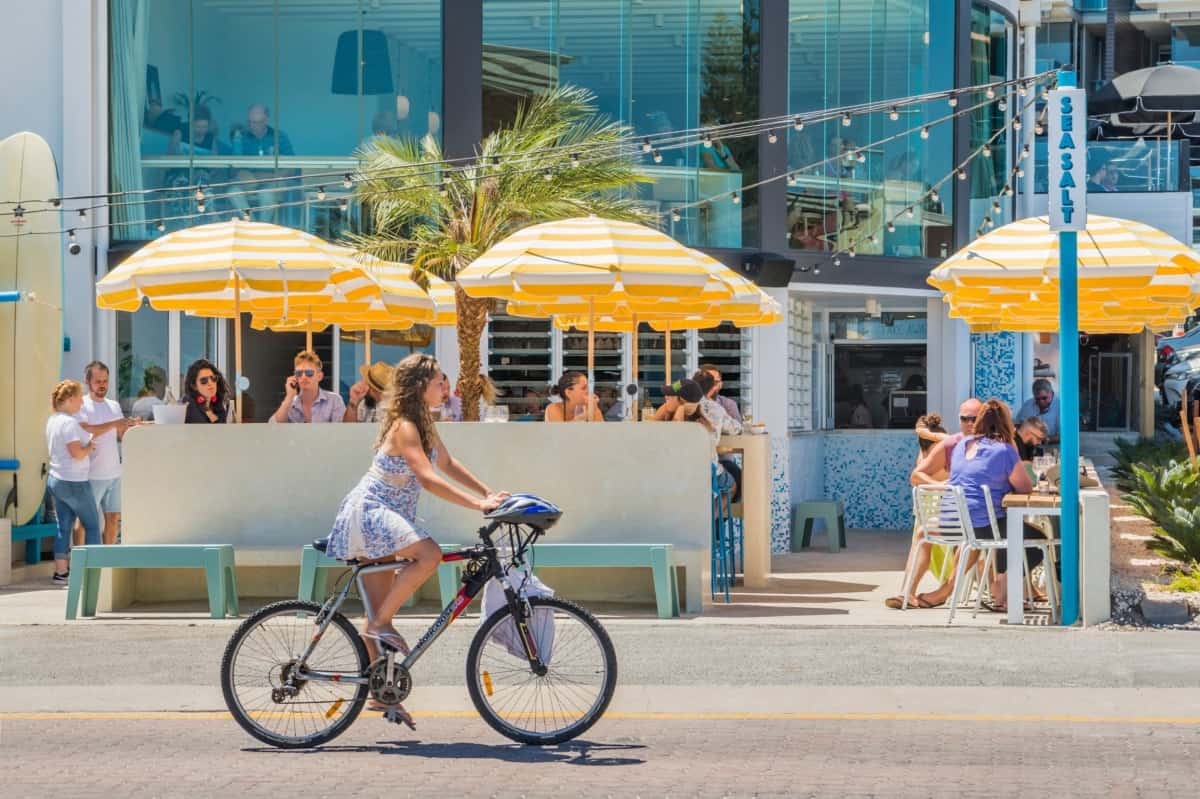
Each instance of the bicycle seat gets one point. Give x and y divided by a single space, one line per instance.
526 509
321 544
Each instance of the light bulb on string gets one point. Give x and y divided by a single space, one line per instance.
962 173
675 216
347 181
990 93
862 158
952 100
772 137
909 212
1016 123
1038 129
837 261
1020 171
996 206
852 252
344 205
986 151
933 195
1023 89
320 192
575 160
200 206
925 132
444 189
872 238
846 120
161 226
798 124
646 145
56 201
1003 104
1024 152
707 140
894 114
199 194
83 213
657 156
246 215
547 175
891 227
71 236
735 197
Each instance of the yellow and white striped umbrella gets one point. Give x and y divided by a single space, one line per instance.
200 268
1114 254
586 257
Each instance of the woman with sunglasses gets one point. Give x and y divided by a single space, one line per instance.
207 394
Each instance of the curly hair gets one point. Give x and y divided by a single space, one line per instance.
930 423
405 400
63 392
192 390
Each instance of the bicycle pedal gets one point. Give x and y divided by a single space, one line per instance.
393 715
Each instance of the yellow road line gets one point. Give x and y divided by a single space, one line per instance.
457 714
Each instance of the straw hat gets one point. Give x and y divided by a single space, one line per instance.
378 375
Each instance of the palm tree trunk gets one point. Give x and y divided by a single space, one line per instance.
472 319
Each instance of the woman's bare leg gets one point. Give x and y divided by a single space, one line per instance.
425 556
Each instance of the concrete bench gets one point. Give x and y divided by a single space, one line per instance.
215 559
314 583
657 557
32 534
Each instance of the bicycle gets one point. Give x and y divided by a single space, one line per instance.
541 670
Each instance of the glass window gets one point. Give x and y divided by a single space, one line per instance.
518 362
853 179
142 360
658 66
879 369
1185 45
197 339
991 61
1055 45
724 348
274 95
608 353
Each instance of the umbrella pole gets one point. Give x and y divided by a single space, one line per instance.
591 353
308 332
237 346
367 347
667 350
635 368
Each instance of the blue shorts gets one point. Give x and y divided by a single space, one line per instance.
108 494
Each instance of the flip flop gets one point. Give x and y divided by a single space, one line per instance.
922 602
993 608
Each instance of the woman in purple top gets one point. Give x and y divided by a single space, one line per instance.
989 458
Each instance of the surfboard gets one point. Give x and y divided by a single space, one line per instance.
31 329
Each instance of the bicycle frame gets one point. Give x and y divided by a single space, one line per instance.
486 555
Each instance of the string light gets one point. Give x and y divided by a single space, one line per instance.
707 140
547 175
83 213
735 197
872 238
1003 104
962 173
798 124
675 217
320 192
852 252
925 132
1024 152
1016 123
891 227
894 114
996 206
1023 89
952 100
161 226
1038 129
933 195
71 236
56 201
200 206
246 215
909 212
344 205
347 181
846 120
199 194
575 160
772 138
18 215
816 269
837 261
986 151
657 157
646 146
990 93
1020 171
444 189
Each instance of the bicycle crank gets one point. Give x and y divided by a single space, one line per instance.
389 681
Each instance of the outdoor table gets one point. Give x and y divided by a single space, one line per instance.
1017 507
756 504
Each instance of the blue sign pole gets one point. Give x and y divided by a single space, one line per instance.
1068 394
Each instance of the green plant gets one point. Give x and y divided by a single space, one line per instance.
1146 452
1170 498
1186 582
523 174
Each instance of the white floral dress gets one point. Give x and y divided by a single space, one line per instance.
379 515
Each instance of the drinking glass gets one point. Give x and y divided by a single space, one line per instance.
581 412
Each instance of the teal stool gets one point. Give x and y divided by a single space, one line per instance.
805 514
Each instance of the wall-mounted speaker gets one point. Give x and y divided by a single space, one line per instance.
768 269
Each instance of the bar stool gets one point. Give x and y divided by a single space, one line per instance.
721 566
804 514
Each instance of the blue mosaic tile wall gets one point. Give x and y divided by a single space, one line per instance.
781 495
868 472
996 366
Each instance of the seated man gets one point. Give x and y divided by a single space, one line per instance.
304 400
366 393
259 138
1031 435
1043 405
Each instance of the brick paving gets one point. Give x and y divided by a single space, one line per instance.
461 757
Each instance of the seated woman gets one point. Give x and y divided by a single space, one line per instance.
929 431
989 458
577 404
693 408
207 394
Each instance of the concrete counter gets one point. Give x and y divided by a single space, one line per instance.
270 489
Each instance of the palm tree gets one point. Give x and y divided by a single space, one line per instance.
557 160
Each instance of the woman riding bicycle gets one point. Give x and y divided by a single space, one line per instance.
377 521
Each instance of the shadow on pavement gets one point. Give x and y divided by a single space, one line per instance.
575 753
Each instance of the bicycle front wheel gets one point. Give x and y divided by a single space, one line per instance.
562 703
265 688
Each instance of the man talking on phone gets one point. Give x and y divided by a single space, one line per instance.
304 400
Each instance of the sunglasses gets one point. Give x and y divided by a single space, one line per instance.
305 372
204 380
966 418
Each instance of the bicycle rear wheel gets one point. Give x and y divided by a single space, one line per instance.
542 709
262 655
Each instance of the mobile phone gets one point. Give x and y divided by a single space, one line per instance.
294 383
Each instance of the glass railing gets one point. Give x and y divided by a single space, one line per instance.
1130 166
1089 6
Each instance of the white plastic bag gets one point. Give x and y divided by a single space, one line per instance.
542 624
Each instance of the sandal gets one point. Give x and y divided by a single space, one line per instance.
922 602
390 639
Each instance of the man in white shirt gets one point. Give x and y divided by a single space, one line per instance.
103 419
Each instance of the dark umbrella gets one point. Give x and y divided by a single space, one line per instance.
1150 95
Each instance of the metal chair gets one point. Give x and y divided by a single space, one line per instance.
1001 541
942 518
723 541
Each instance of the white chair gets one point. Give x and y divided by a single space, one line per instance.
1000 541
942 518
